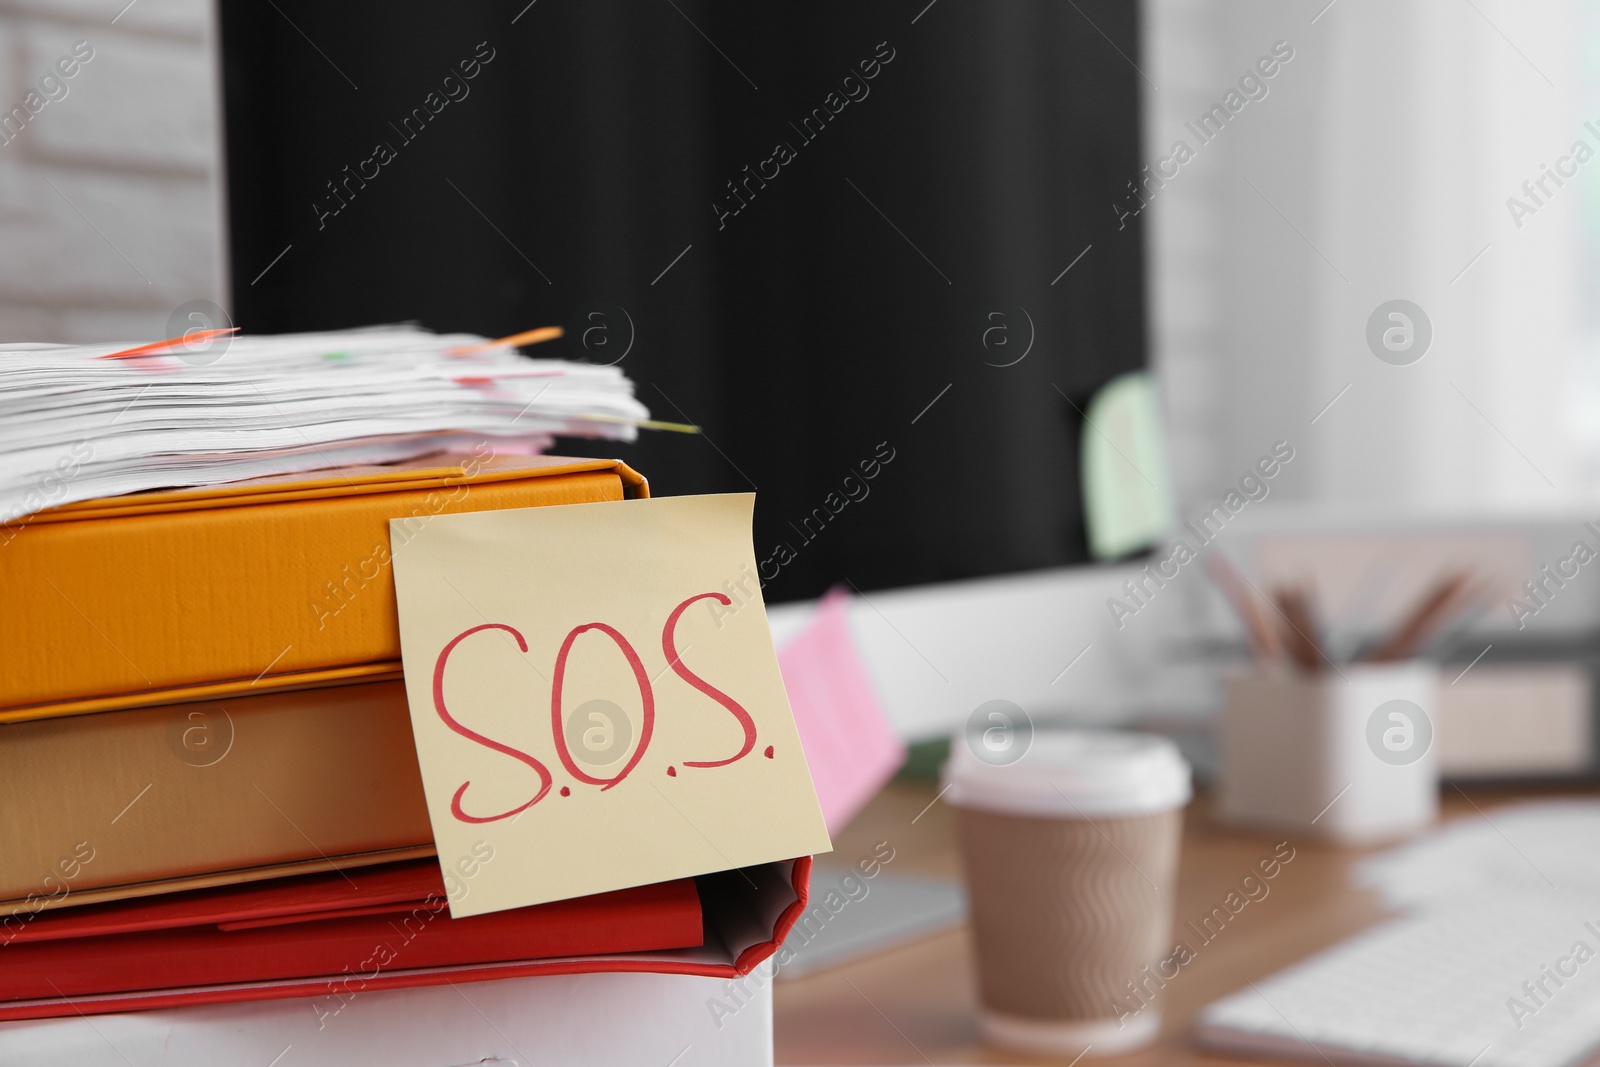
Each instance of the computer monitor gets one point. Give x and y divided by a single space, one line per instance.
882 255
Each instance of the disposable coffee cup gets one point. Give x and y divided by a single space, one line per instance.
1071 853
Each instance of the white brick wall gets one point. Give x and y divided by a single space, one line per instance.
1183 282
110 196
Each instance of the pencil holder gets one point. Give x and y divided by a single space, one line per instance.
1348 755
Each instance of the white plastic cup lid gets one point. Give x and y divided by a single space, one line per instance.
1073 774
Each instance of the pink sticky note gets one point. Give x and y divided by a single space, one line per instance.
848 742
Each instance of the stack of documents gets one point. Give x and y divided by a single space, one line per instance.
210 791
85 421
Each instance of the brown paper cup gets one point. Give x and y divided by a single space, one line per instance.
1070 903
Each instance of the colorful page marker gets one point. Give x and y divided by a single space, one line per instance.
850 746
1127 493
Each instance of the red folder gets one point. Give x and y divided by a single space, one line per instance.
306 937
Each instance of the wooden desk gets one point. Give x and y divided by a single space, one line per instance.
917 1004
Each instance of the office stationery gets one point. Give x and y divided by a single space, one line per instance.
581 685
1379 576
1261 631
516 340
1348 756
850 747
1371 565
1380 595
1354 624
1127 492
599 1020
190 344
1082 830
1306 639
745 915
207 952
396 886
160 798
273 583
1450 595
85 421
1342 748
207 786
1302 632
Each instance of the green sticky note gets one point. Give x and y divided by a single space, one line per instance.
1127 492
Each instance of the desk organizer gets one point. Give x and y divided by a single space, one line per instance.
1348 756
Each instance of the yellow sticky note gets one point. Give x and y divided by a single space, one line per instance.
595 698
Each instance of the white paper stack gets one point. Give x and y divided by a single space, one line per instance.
78 422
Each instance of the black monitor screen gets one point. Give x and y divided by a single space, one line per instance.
882 254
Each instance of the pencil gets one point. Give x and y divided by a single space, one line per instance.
1237 591
1443 601
1294 604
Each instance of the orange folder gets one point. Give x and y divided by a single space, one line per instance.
139 801
270 584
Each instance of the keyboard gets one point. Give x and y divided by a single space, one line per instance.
1433 988
1495 964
